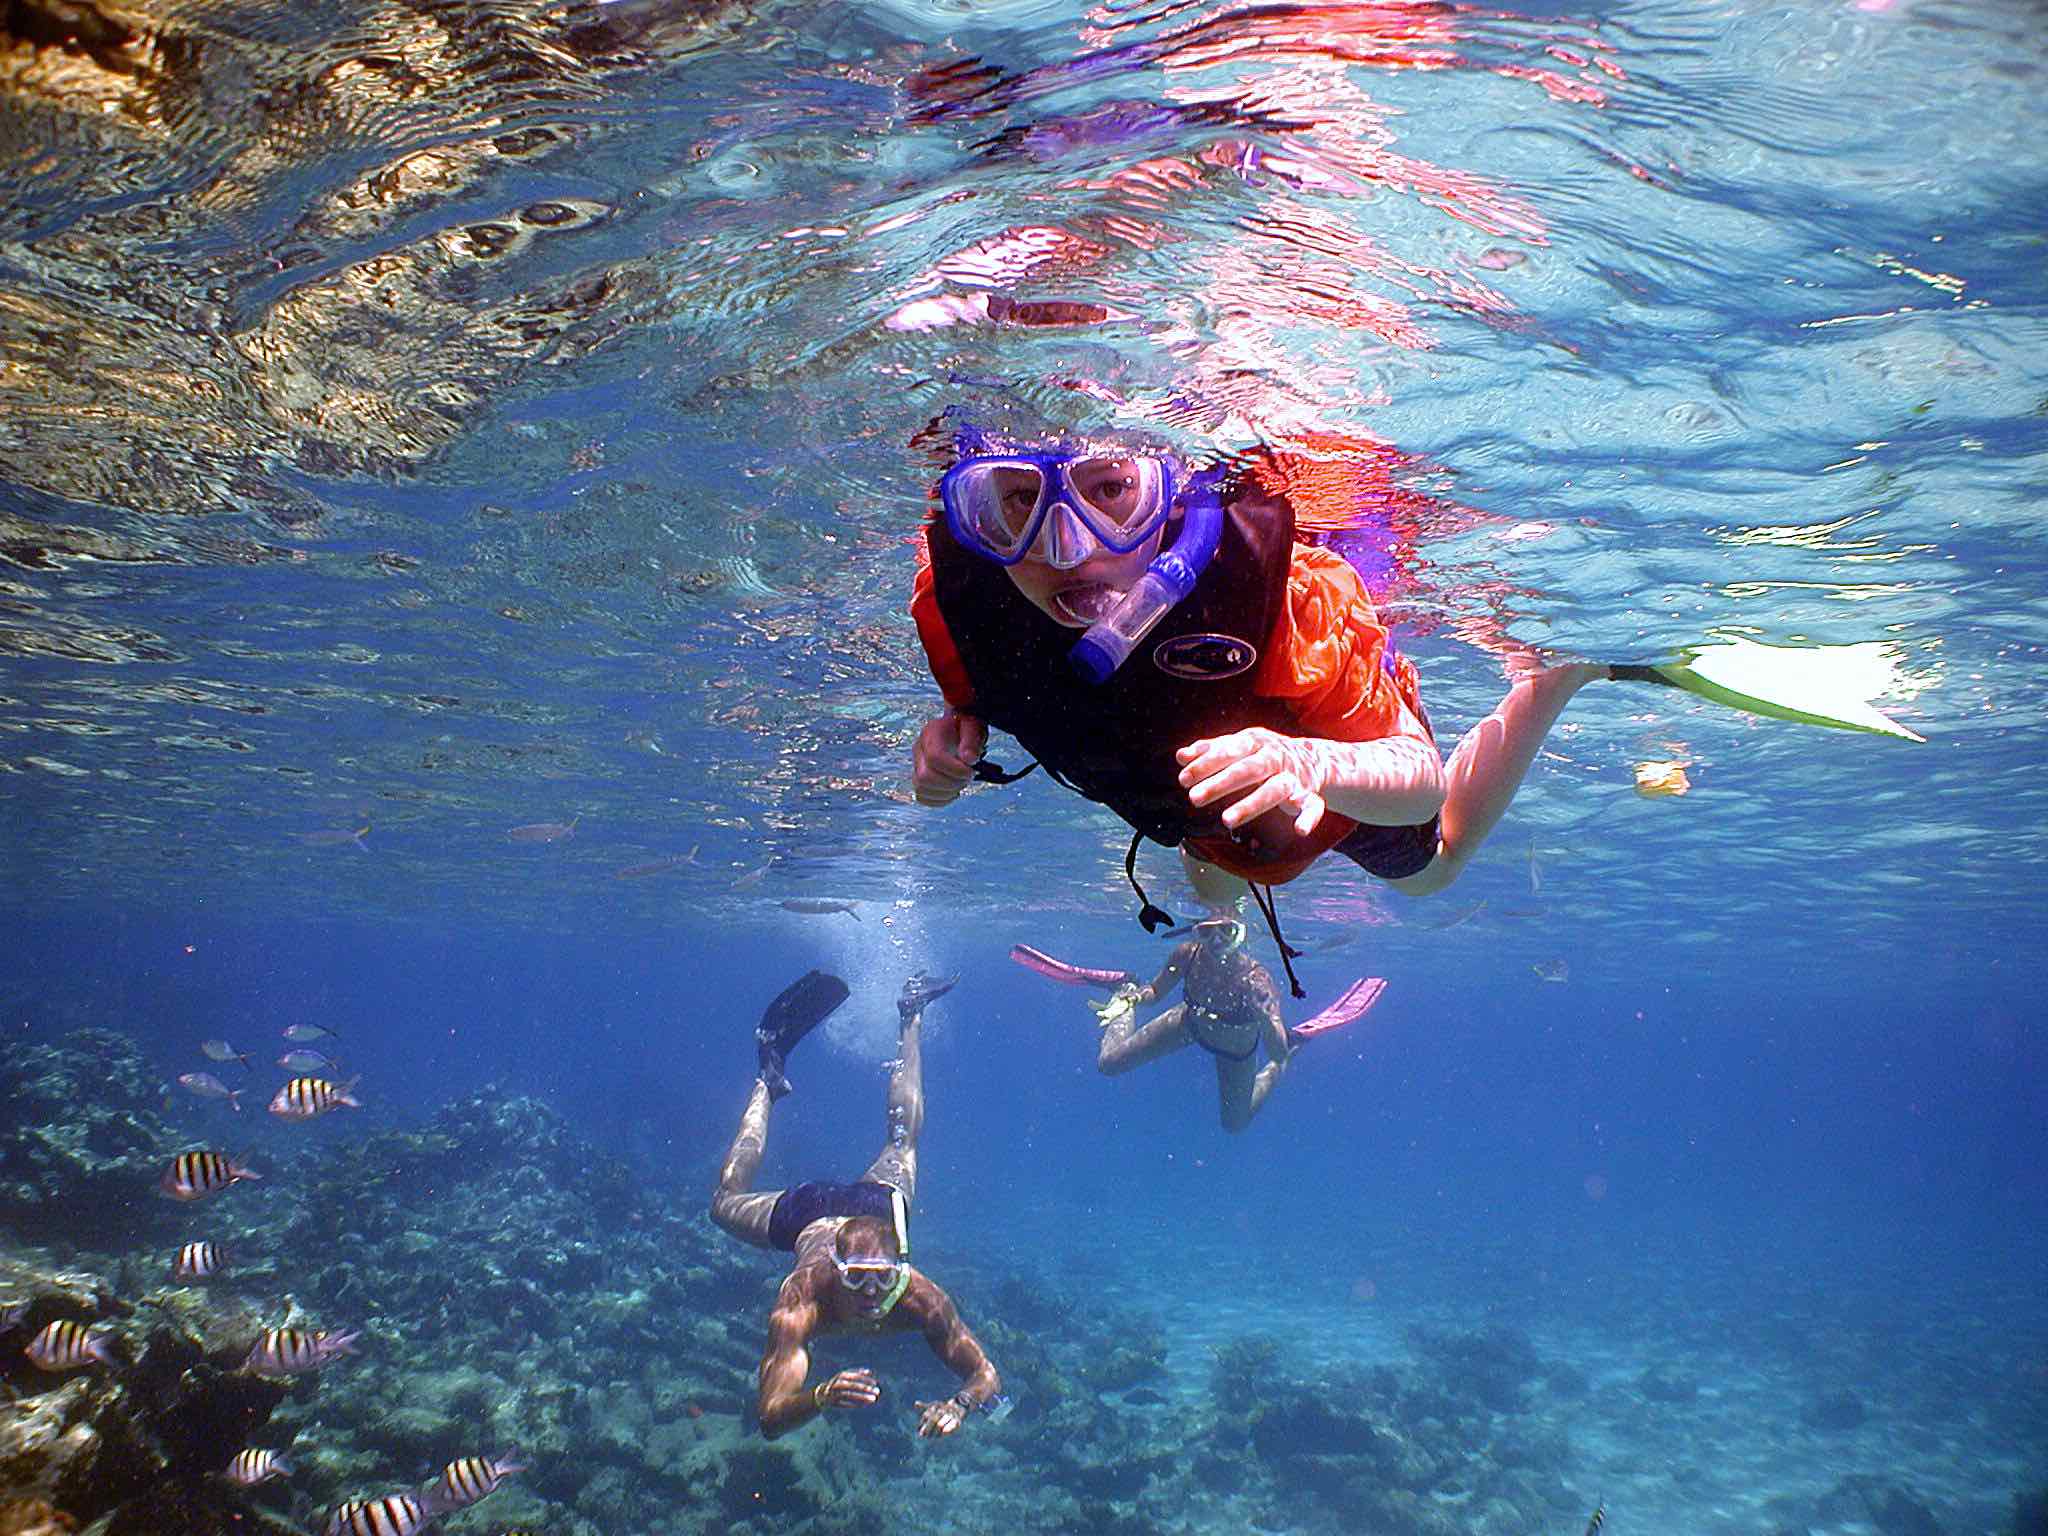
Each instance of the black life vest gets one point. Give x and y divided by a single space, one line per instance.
1115 741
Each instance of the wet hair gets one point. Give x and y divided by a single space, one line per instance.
866 1233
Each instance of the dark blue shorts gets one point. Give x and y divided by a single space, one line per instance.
802 1204
1392 853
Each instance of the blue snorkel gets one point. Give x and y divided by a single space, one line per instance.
1167 581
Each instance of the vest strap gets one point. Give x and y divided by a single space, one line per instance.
1263 895
1154 918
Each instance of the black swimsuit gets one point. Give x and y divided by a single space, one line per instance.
1216 976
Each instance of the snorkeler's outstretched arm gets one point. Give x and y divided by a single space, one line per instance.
953 1342
784 1404
1171 975
1279 1044
1396 781
942 761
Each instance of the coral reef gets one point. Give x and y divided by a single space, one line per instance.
522 1294
134 1446
82 1144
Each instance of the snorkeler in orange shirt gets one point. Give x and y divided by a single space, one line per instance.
1264 721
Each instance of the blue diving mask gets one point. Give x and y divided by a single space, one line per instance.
1001 505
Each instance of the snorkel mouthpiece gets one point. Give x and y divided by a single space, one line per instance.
1167 581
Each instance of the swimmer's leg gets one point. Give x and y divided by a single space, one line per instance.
1127 1044
1489 765
735 1205
1241 1089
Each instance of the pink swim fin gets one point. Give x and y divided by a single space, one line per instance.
1073 975
1356 1002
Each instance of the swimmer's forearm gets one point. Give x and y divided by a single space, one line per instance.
1397 781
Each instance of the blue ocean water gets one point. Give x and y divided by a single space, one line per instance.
522 422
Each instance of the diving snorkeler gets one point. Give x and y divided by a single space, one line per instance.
1266 719
1230 1005
1161 642
851 1241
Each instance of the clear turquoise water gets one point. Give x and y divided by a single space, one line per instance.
364 463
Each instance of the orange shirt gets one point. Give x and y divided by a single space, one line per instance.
1326 655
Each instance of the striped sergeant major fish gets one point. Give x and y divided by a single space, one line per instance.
304 1097
252 1467
199 1261
288 1351
65 1346
462 1482
396 1514
1599 1518
194 1175
467 1479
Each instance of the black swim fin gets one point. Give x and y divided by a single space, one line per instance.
797 1010
920 989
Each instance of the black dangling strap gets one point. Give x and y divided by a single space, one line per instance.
1288 953
1154 918
986 772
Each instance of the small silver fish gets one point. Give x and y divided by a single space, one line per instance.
199 1261
655 866
462 1482
753 877
396 1514
309 1063
207 1086
300 1034
65 1346
1464 914
1553 970
220 1050
288 1351
820 906
193 1175
253 1466
543 831
304 1097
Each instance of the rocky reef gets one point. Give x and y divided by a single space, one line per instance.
521 1293
82 1144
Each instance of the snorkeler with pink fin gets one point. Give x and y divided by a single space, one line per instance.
1230 1004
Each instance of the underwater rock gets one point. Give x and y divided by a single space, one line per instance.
1885 1506
1492 1366
82 1144
133 1444
1834 1410
1243 1372
34 1517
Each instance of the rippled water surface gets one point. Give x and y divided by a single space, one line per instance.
459 464
444 418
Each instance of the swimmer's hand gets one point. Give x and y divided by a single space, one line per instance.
1118 1006
940 1418
943 760
1265 769
856 1388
